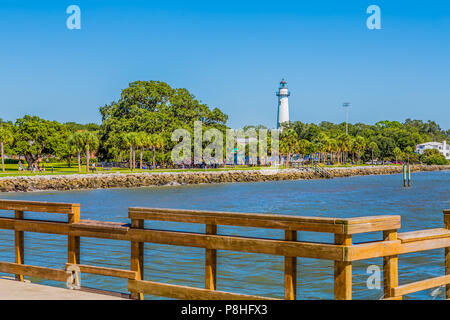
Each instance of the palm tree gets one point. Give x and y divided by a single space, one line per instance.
352 147
345 143
143 141
91 143
322 140
6 138
76 142
84 141
132 140
373 146
360 145
303 146
331 147
408 152
288 143
340 148
156 142
397 152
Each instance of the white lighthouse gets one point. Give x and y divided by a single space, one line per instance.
283 103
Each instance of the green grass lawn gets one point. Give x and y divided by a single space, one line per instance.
63 169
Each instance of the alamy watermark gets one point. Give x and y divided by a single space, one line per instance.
239 147
374 20
74 280
374 280
74 20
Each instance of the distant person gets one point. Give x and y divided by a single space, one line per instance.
20 165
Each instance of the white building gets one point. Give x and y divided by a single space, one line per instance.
442 147
283 103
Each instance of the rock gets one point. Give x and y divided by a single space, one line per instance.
117 180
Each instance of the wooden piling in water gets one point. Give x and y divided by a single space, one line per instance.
404 175
409 175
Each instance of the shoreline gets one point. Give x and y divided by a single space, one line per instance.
147 179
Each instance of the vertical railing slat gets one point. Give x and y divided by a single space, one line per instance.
19 245
290 270
210 261
73 243
137 257
390 267
343 271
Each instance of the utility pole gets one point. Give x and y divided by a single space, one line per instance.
346 105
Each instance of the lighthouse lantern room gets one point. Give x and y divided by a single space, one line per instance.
283 103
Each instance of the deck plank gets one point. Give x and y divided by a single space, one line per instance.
15 290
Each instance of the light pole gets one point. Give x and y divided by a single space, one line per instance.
346 105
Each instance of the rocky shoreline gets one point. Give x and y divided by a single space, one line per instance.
118 180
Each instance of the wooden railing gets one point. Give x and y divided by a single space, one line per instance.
343 252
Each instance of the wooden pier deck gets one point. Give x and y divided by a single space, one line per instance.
11 289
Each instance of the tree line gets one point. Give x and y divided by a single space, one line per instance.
141 123
385 141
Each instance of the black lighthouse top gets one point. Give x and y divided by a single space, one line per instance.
284 93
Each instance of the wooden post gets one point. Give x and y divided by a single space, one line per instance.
210 261
137 257
390 267
404 175
447 253
19 247
73 246
290 270
409 175
343 271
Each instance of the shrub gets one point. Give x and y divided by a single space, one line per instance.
11 161
433 156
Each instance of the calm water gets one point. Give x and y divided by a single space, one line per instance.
420 207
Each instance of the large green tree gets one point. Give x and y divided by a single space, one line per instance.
6 139
35 137
155 108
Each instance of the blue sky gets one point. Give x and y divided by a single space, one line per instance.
230 54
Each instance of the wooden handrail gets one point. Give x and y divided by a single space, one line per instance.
343 251
39 206
420 286
274 221
35 271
